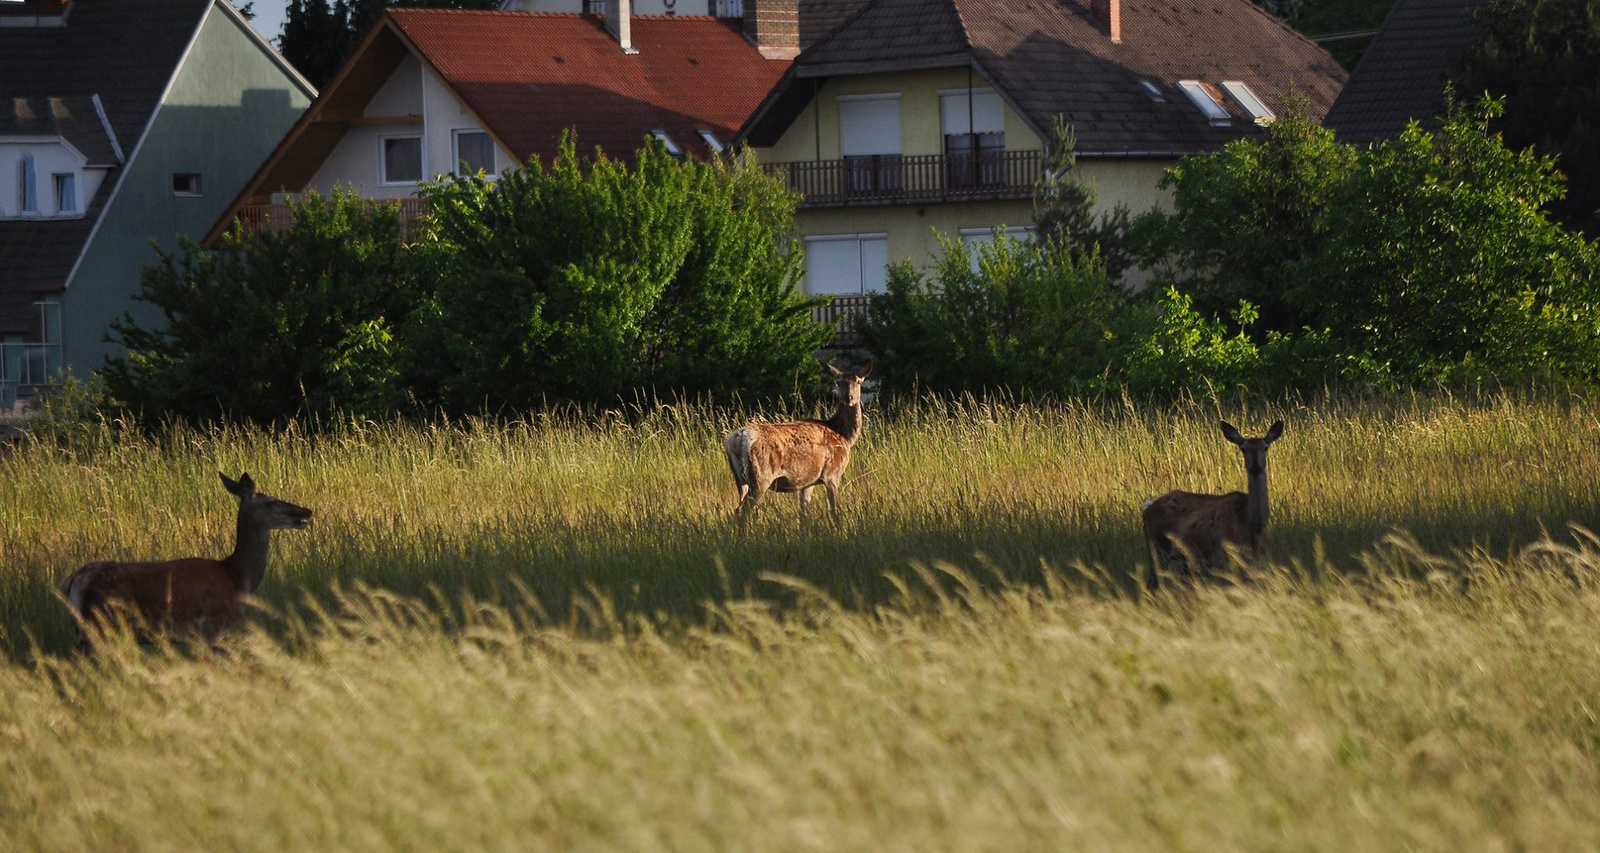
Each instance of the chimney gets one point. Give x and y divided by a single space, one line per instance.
619 23
774 27
1109 13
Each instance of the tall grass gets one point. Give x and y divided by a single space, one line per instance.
638 509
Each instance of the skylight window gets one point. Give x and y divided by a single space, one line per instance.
672 147
1247 99
712 141
1208 100
1152 91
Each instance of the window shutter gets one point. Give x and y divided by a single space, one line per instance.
988 113
870 126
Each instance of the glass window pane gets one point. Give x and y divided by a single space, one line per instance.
52 321
30 188
474 153
66 193
402 160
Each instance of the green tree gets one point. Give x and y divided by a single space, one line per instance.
1063 206
272 325
1543 57
1245 217
590 280
1441 259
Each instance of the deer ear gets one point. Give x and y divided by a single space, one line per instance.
864 369
1275 432
836 372
232 486
1232 433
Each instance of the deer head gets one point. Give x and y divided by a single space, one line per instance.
847 384
1254 449
265 511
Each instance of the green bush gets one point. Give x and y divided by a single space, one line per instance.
272 325
590 280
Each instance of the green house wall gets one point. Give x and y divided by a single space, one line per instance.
229 105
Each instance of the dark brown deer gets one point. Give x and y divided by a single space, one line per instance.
800 455
1182 526
194 595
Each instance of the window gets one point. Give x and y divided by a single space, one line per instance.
672 147
1206 97
186 183
869 139
28 182
25 363
402 160
974 127
1152 91
66 193
974 239
711 140
474 153
847 264
1247 99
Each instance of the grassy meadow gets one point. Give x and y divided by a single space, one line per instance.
549 635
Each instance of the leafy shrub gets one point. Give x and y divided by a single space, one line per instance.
273 325
588 280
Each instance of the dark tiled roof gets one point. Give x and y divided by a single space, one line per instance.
73 118
529 76
818 18
1402 74
125 51
1053 57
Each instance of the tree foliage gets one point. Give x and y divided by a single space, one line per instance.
1543 58
319 35
271 325
587 280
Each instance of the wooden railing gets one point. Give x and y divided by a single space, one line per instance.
844 309
894 178
277 217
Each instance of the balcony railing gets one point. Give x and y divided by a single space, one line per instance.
899 179
26 366
277 217
845 309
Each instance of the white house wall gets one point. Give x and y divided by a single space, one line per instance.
49 158
411 90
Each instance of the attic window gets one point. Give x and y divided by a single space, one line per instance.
1247 99
672 147
1208 100
1152 91
712 141
186 184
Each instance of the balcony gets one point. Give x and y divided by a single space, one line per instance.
847 307
920 179
277 217
24 367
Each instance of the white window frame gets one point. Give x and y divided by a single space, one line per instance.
1207 102
56 193
455 152
1153 91
672 147
383 159
1252 104
858 239
711 140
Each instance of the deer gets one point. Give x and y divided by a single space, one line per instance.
798 456
194 595
1182 526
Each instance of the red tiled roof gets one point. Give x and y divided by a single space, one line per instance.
529 76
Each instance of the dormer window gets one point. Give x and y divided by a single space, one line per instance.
1248 100
672 147
711 141
1152 91
1208 100
66 193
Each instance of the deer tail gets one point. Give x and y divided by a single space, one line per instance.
737 446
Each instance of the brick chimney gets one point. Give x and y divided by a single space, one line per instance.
774 27
1109 13
619 22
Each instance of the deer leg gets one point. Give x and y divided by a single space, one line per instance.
747 506
805 501
833 501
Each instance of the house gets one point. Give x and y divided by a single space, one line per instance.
1403 73
432 92
121 122
816 18
916 116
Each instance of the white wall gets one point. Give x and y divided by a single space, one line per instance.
49 158
411 90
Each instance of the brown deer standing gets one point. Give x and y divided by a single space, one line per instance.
1180 526
198 595
800 455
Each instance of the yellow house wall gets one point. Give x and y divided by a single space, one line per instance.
911 229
